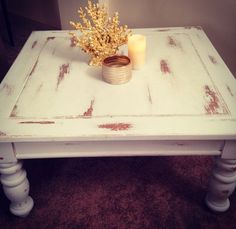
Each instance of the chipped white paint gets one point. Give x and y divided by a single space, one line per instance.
52 104
178 87
55 88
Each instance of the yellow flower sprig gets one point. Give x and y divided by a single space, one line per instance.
101 35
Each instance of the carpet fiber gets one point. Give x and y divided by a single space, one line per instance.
135 192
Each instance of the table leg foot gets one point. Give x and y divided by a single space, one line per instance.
221 185
16 188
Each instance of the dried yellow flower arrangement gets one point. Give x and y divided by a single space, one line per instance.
101 35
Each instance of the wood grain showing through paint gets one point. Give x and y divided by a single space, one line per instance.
73 42
193 27
34 44
162 30
149 95
229 90
174 43
7 89
64 69
212 59
2 133
116 126
171 41
165 67
34 67
14 112
37 122
50 38
213 105
89 112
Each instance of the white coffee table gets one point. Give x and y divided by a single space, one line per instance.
182 102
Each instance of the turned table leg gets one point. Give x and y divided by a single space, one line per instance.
221 185
16 187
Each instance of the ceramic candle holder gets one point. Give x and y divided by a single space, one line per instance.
116 69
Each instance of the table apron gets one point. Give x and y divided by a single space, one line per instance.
32 150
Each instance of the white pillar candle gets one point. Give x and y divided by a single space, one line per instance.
137 50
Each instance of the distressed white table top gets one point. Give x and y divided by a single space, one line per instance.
184 91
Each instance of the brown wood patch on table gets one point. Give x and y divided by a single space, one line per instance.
89 112
2 133
37 122
193 27
34 44
7 88
64 69
34 67
116 126
162 30
213 104
50 38
14 112
229 90
73 42
165 67
174 43
212 59
149 95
